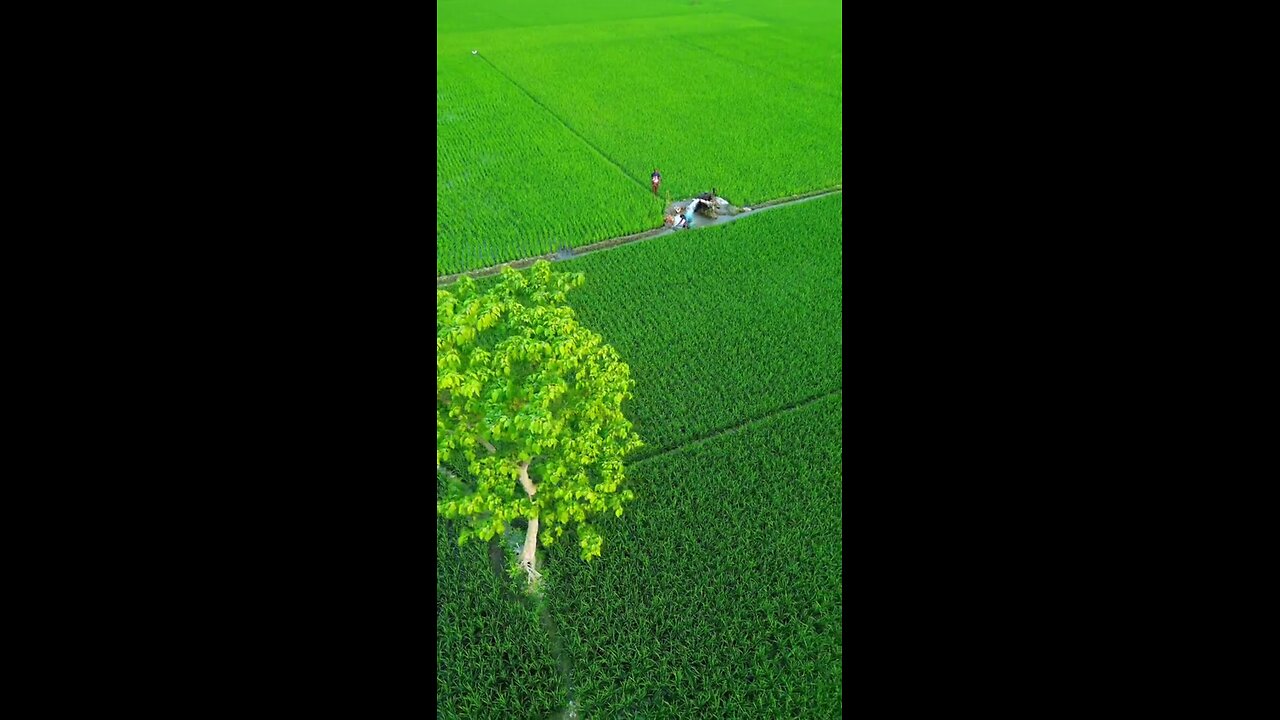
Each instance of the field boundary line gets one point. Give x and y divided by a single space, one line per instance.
808 195
738 427
611 243
569 127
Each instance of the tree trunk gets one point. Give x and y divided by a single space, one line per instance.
530 548
528 555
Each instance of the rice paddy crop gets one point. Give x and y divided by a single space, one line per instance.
802 61
705 121
491 660
720 597
513 182
545 139
724 601
723 324
718 592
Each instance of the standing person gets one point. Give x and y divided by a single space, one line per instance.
655 179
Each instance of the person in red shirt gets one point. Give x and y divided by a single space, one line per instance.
655 179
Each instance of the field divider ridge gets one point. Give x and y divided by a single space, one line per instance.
739 426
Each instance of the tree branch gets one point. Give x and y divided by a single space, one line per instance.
492 450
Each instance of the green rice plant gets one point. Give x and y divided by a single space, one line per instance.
703 119
719 596
805 61
740 101
723 324
724 615
464 25
513 182
725 599
484 664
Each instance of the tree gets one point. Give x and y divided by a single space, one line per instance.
532 401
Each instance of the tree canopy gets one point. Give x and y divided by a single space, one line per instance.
528 411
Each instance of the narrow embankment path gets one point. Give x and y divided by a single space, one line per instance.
637 237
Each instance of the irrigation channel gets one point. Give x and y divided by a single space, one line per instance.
699 223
